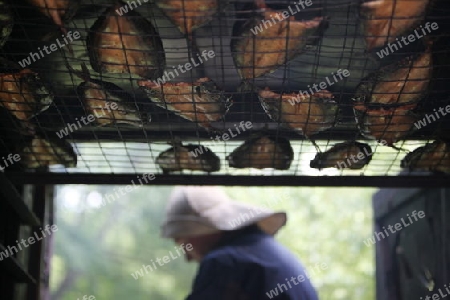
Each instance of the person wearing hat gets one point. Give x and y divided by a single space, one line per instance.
233 242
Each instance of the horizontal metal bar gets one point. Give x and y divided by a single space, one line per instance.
432 181
190 131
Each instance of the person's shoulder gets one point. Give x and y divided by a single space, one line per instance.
226 255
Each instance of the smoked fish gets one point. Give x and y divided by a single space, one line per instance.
402 84
188 157
385 20
24 94
269 40
262 151
201 101
390 125
44 152
108 103
126 43
433 157
188 15
308 114
351 155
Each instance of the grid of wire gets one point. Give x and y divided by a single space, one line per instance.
134 147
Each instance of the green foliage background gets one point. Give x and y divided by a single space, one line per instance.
98 247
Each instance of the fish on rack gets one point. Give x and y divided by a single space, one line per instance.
22 92
6 22
351 155
43 152
188 157
57 10
308 114
257 50
433 157
201 102
401 84
125 44
108 103
385 20
188 15
262 151
385 100
390 125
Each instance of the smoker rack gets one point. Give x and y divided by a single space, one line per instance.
116 154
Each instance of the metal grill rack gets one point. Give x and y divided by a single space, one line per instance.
118 153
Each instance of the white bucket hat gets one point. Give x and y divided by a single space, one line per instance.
197 210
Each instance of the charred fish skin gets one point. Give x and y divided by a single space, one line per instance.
385 20
23 92
6 22
201 101
179 158
262 152
125 44
309 114
110 104
342 152
189 15
433 157
44 152
401 84
256 55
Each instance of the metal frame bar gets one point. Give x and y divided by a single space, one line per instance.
11 195
401 181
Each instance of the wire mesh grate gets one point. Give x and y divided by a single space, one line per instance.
234 88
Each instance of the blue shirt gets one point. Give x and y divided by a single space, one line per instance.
251 266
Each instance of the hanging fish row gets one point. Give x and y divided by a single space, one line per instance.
23 95
386 101
202 101
261 151
130 44
433 157
382 102
142 54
